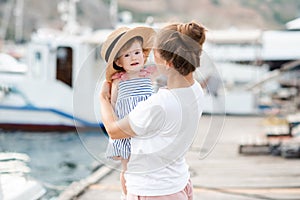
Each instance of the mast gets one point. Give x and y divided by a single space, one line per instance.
19 20
69 15
113 11
5 20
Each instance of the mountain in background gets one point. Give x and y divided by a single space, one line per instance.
219 14
214 14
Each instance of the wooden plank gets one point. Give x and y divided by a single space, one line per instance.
76 188
223 173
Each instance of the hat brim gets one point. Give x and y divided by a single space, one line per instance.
146 33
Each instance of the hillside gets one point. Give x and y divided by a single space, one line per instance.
216 14
219 14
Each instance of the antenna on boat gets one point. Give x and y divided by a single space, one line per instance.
15 7
113 11
5 21
68 15
19 20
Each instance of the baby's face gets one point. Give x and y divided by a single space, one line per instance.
131 59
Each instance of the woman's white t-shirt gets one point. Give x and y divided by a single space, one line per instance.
165 125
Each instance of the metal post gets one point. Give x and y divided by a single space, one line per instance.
113 11
5 20
19 20
1 193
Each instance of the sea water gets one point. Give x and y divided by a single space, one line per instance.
57 159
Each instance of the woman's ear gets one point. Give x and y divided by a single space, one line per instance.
169 64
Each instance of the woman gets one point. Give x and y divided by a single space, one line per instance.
162 128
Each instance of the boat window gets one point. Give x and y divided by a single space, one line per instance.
64 62
37 55
37 64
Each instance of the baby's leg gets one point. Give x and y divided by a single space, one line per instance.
122 178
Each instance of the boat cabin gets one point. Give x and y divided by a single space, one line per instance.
55 55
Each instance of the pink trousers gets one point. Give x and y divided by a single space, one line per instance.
185 194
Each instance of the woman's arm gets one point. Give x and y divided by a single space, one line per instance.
114 92
116 129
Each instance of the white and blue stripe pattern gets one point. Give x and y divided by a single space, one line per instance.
130 93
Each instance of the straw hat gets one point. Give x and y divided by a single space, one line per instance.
117 39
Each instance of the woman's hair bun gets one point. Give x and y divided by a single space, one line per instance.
193 30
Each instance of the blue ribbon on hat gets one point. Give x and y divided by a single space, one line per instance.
111 46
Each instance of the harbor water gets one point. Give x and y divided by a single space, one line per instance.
57 159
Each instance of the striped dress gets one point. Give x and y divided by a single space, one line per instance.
130 93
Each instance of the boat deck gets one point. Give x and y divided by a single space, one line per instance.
224 173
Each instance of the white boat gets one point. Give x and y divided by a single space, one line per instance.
265 52
55 90
272 47
15 184
226 87
41 97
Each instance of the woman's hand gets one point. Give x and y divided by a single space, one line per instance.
105 93
116 129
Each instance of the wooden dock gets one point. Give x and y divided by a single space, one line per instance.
224 173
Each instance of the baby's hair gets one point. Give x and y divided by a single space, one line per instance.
181 44
126 46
